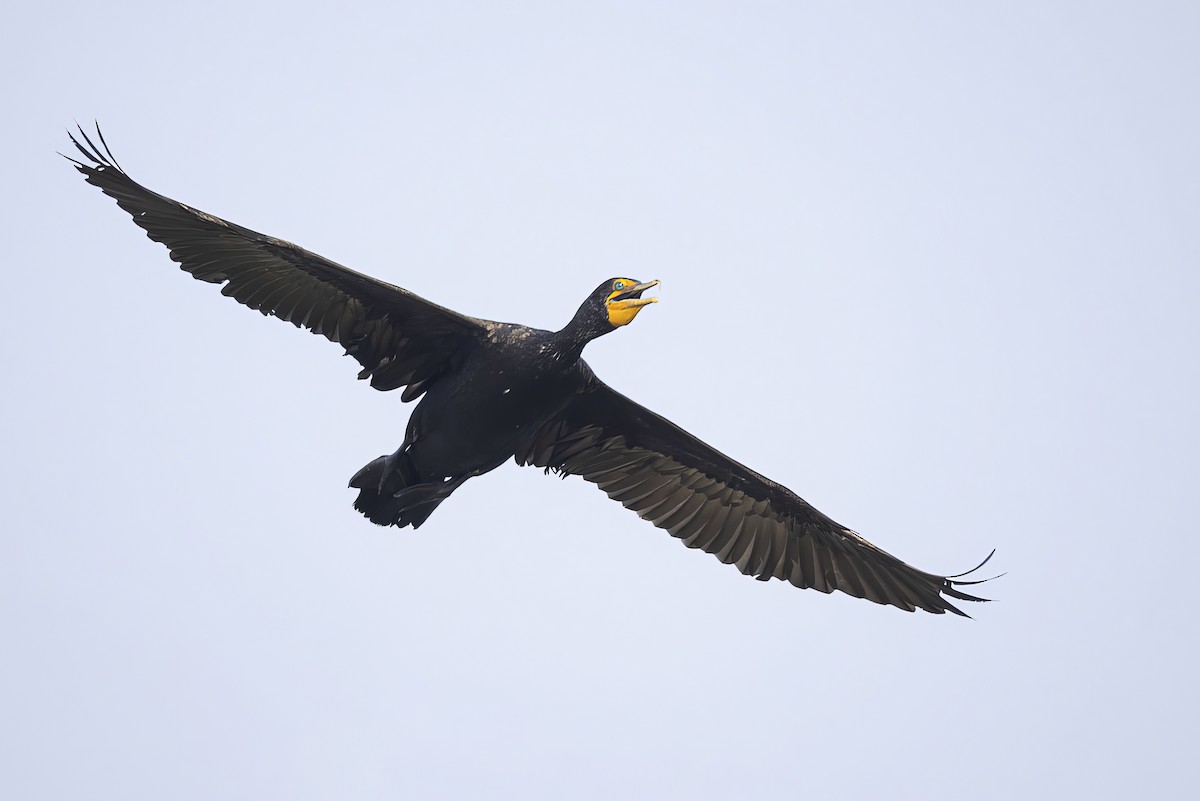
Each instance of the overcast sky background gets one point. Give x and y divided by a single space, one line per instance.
931 265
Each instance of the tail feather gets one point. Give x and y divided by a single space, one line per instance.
392 492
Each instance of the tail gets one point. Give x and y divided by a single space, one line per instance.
392 492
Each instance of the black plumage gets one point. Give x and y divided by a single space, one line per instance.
496 391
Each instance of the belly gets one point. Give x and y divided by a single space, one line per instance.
479 421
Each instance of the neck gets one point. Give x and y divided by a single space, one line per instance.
570 340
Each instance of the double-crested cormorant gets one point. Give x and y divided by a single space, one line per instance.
496 391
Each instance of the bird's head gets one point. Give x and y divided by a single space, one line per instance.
611 305
621 299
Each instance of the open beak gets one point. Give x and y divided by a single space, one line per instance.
632 297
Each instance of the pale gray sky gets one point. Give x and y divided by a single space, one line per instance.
932 265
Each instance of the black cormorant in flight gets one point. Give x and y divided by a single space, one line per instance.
495 391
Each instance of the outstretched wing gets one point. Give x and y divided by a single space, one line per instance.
709 501
399 338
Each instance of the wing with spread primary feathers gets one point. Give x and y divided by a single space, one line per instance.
400 339
711 502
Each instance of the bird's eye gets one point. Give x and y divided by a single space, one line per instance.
618 284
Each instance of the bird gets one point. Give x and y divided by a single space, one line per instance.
489 392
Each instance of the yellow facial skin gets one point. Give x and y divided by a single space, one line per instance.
622 312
